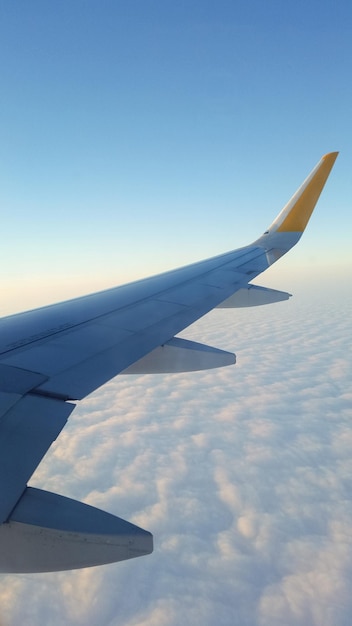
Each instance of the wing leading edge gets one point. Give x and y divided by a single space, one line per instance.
54 355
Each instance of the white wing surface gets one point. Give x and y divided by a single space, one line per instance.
56 355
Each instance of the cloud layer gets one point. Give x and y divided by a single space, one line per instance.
243 475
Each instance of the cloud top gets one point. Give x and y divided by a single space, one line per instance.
243 475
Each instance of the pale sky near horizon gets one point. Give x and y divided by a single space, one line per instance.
140 136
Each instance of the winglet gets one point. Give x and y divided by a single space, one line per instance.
295 215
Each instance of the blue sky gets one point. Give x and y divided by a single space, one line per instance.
142 135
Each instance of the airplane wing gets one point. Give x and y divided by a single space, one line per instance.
53 356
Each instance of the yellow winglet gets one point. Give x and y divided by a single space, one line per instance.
295 215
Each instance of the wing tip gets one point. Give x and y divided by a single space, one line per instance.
296 214
330 155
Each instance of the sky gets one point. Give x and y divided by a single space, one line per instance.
144 135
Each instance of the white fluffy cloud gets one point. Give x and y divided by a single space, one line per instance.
242 474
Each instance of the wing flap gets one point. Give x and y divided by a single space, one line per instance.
27 430
18 380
